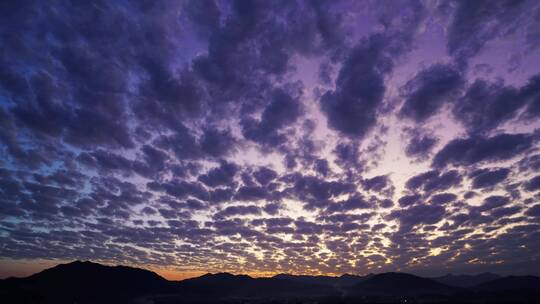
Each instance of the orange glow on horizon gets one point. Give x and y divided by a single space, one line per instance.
174 275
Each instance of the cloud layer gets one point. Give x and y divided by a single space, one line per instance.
259 137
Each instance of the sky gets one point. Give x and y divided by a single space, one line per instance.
261 137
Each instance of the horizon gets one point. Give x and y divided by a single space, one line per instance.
263 137
77 281
255 276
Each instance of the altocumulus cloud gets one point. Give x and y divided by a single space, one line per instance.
295 136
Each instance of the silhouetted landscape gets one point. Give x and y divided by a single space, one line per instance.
87 282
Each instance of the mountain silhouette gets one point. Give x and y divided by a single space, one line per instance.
87 282
466 280
84 282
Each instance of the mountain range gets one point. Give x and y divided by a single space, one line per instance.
87 282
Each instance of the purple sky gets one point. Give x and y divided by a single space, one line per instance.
317 137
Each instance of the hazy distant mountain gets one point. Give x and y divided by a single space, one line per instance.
86 282
466 280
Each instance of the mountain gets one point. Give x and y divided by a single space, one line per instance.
400 284
466 280
84 282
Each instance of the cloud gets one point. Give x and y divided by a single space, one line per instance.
443 198
282 111
222 175
534 211
238 210
434 181
485 106
533 184
352 108
408 200
352 203
420 145
427 92
321 166
217 143
478 149
316 192
376 183
107 161
530 93
265 175
475 23
205 14
488 178
418 215
492 202
154 162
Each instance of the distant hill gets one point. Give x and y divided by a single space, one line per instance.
87 282
466 280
